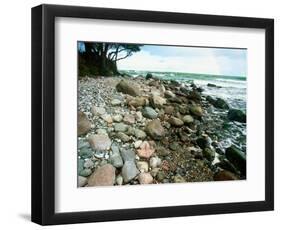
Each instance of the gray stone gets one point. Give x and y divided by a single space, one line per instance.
97 111
149 112
82 181
100 142
154 162
117 118
115 102
116 160
85 172
86 152
124 137
120 127
129 171
139 134
84 125
129 119
155 130
88 163
128 155
80 165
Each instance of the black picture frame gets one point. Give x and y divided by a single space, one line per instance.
43 114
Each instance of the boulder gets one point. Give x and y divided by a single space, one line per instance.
103 176
155 130
237 158
84 125
100 142
236 115
128 88
220 103
209 154
148 76
129 171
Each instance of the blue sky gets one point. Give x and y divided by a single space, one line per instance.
188 59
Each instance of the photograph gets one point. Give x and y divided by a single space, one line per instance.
158 114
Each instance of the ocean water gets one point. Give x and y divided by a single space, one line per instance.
233 88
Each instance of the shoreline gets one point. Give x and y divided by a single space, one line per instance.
146 130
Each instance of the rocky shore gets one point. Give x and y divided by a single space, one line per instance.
148 131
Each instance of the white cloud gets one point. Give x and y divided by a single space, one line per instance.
207 63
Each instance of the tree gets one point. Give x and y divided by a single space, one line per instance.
102 58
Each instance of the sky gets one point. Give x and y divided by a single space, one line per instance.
218 61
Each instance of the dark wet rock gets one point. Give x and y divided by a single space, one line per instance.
175 121
213 85
236 115
148 76
149 112
218 102
202 142
129 171
128 88
128 155
209 154
226 164
225 175
103 176
237 158
196 110
155 130
194 95
84 125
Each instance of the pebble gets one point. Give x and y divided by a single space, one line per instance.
154 162
128 155
116 102
142 166
119 180
139 134
88 163
124 137
107 118
137 144
116 160
149 112
85 172
146 150
103 176
120 127
129 119
145 178
82 181
97 111
129 171
117 118
100 142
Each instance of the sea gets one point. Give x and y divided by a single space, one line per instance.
233 89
